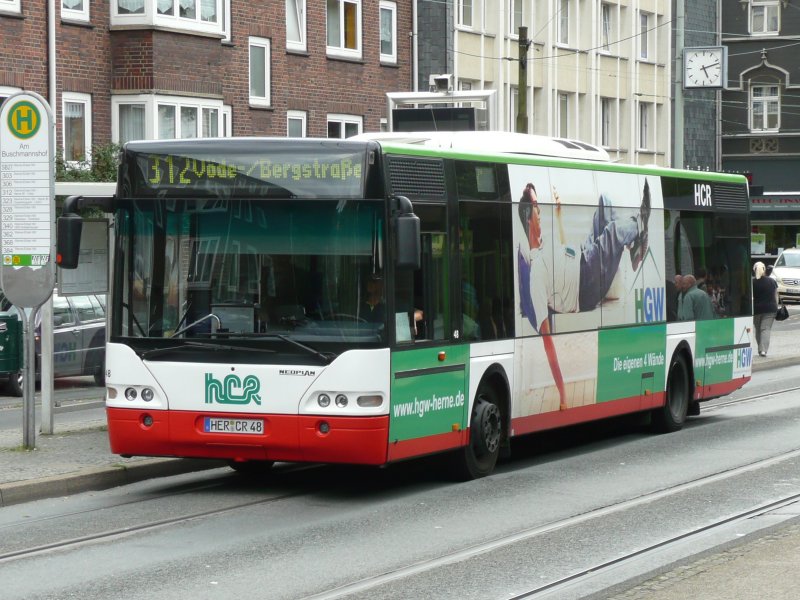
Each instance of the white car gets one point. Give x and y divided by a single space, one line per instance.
786 272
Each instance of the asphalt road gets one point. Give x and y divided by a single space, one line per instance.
568 501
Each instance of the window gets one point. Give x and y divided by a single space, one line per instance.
645 133
765 105
563 115
388 32
344 126
464 13
513 108
259 72
150 116
608 129
764 16
9 6
515 17
296 25
296 123
77 130
644 35
605 27
344 28
225 18
563 22
208 16
75 10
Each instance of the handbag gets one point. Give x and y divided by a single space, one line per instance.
782 314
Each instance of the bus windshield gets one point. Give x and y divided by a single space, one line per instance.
212 269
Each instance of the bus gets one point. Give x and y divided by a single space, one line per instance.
372 300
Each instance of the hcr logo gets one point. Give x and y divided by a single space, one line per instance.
702 194
232 390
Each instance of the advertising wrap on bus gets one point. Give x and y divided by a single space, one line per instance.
372 301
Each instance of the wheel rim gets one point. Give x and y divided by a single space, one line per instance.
490 428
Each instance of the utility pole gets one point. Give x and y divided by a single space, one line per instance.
522 84
679 125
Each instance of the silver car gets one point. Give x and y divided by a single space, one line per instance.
786 272
79 336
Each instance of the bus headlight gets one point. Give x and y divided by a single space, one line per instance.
324 400
130 394
341 400
147 394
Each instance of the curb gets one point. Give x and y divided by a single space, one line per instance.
776 363
100 478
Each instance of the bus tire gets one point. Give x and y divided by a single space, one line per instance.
252 468
14 384
672 415
479 457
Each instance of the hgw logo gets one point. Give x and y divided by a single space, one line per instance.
649 305
233 390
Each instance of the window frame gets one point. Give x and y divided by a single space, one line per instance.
608 122
263 43
606 27
300 9
765 5
297 115
644 130
513 25
12 7
341 50
563 23
391 7
70 14
465 14
344 120
149 15
562 114
644 35
764 100
151 102
86 101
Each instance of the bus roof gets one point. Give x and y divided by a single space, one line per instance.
497 142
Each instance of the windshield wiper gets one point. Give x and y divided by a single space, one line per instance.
159 351
324 356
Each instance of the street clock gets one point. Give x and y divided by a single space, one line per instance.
705 67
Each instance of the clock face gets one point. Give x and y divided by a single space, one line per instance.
703 67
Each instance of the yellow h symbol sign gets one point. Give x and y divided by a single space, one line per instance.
24 120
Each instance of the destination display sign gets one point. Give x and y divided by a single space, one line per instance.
231 169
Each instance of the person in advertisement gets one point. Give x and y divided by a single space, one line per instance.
562 279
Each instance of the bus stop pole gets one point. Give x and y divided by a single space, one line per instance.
46 361
29 385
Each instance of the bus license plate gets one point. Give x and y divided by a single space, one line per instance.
247 426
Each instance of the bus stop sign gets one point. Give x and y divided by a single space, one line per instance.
27 193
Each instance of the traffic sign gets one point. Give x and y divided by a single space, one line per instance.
27 193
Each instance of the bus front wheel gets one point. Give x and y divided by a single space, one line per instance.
479 457
672 415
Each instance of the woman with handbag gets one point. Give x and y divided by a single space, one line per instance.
765 305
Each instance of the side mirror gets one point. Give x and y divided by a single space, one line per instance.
407 232
68 240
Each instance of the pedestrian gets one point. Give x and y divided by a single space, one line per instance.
765 305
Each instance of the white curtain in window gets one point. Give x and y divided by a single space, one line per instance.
166 7
258 65
166 122
125 7
188 9
188 122
73 4
210 122
387 42
208 11
74 131
131 122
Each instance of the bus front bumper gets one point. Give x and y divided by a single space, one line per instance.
290 438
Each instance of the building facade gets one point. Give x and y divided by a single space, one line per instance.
596 70
119 70
760 120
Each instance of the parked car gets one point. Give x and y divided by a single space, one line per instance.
79 336
786 272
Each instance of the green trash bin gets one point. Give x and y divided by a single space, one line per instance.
10 344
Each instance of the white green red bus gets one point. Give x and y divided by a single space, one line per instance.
374 300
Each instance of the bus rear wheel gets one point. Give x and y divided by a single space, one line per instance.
479 457
672 415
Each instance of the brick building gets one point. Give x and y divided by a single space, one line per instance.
152 69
